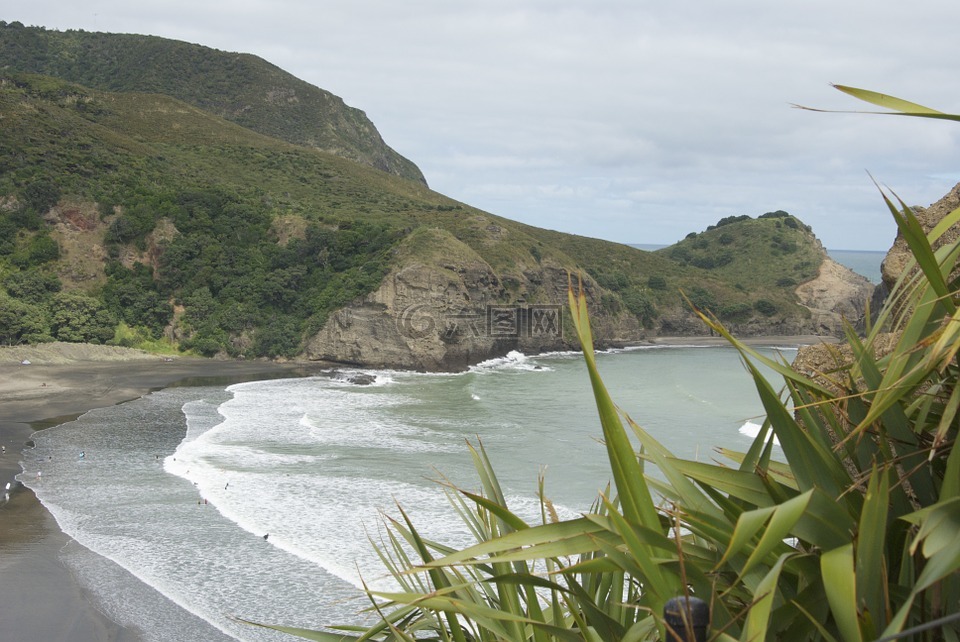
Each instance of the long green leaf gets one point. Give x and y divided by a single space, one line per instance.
839 580
748 526
871 547
885 101
738 484
571 537
758 617
682 489
901 107
813 465
920 248
634 493
784 518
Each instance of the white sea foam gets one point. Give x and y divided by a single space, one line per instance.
513 360
751 429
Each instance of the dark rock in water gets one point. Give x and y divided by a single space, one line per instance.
362 379
356 378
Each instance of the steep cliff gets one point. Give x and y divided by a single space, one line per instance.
837 294
899 255
817 360
447 308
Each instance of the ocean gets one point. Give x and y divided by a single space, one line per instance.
195 506
865 262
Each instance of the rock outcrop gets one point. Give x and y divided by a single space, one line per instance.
899 255
837 294
819 361
446 309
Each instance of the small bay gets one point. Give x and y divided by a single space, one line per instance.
196 506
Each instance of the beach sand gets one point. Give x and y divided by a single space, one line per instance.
39 597
787 341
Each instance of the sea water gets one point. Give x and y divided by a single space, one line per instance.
194 508
864 262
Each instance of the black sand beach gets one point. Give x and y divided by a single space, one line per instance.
39 597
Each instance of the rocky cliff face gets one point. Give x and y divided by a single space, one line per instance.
837 294
899 255
815 360
449 309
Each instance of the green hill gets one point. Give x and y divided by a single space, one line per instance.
132 218
237 87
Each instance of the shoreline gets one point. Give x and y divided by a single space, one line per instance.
41 599
62 382
793 340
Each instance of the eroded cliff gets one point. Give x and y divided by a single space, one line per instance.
447 308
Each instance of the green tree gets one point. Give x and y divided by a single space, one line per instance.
21 322
765 307
701 298
280 338
40 249
32 285
8 234
79 318
199 307
656 282
640 305
131 295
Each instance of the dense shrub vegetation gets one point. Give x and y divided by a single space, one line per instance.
224 266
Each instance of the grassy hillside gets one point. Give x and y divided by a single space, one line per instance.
770 256
128 217
241 88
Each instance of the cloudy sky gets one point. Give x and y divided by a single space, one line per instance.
627 120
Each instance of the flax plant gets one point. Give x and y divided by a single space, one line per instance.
853 538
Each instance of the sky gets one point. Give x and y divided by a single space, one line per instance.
627 120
